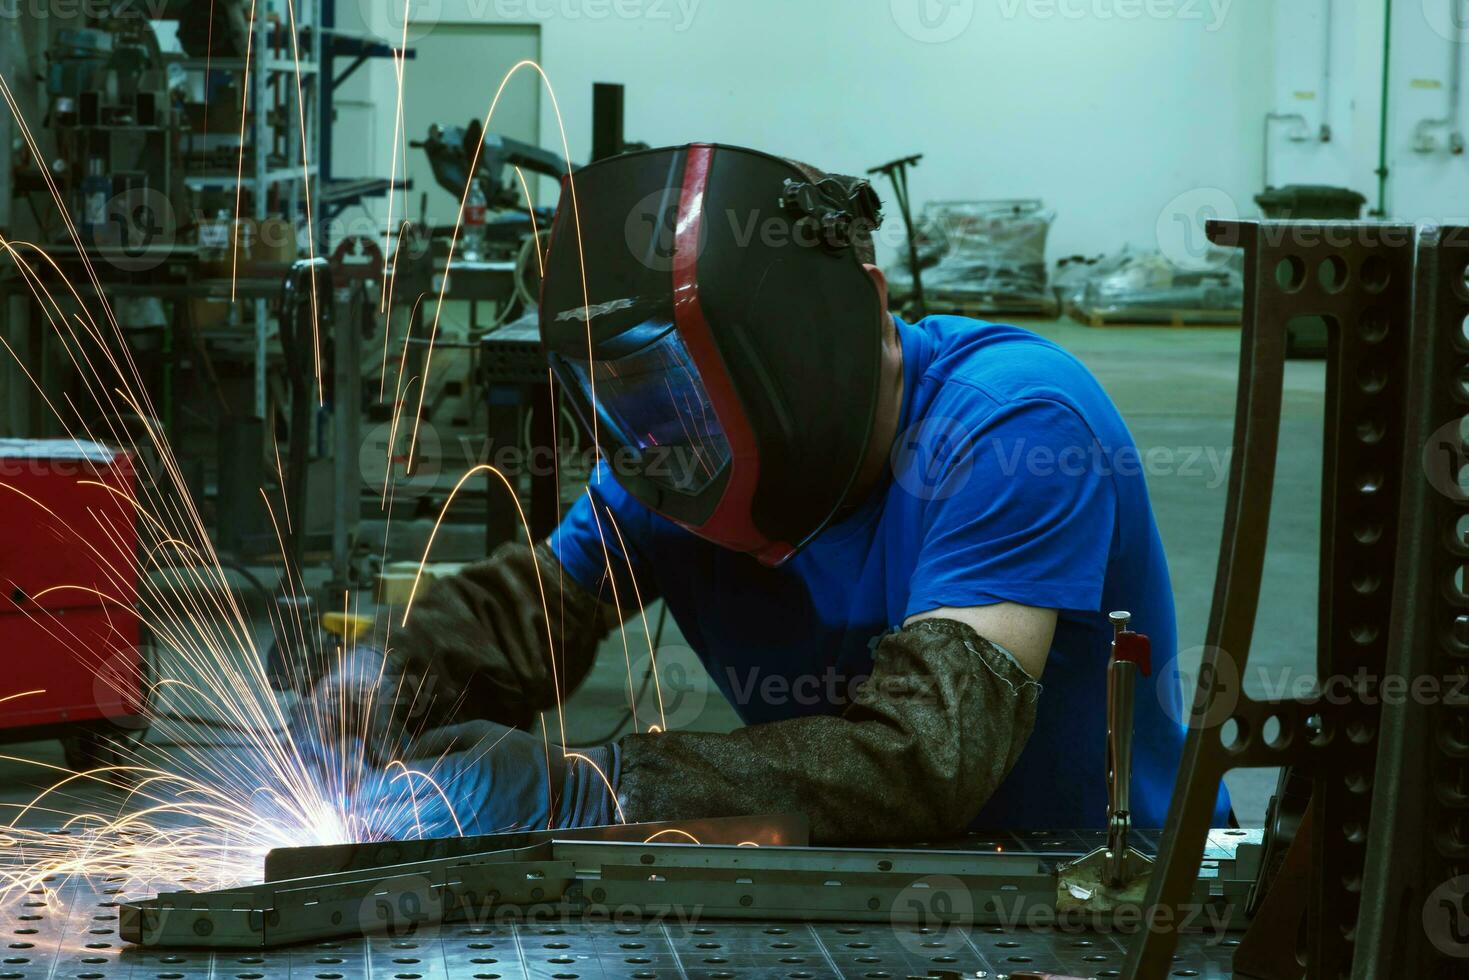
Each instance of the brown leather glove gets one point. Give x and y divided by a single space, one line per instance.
503 639
933 732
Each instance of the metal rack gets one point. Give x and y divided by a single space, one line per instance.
282 74
335 194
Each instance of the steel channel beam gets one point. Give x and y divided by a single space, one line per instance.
764 830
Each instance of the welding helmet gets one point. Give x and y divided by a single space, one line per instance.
707 311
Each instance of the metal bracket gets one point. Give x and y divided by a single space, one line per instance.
1393 303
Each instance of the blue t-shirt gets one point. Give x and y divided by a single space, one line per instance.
1014 479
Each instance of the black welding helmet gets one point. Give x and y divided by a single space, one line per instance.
725 342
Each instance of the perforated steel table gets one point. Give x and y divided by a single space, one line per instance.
68 929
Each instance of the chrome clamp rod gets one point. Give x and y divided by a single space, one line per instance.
1121 680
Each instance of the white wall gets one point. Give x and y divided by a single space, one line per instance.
1426 182
1108 109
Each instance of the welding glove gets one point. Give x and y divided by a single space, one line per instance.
352 715
915 755
485 778
504 639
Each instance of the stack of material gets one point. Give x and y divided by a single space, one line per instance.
1148 288
979 257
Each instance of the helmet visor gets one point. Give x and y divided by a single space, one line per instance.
652 403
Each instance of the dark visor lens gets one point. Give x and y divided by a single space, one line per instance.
653 402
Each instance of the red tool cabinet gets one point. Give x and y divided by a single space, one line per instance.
70 660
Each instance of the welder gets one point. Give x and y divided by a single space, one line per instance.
942 512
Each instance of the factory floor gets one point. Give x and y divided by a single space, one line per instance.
1176 390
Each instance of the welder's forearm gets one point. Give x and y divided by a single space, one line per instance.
937 727
502 639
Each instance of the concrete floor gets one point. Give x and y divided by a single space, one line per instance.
1176 389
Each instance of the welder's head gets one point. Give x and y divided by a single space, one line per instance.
726 341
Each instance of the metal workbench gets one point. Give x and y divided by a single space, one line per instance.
72 932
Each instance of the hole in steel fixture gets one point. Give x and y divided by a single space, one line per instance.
1233 735
1373 325
1361 732
1332 273
1290 273
1353 831
1376 273
1372 378
1275 734
1366 583
1358 782
1370 431
1370 482
1363 634
1367 533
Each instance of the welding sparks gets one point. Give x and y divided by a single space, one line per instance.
227 769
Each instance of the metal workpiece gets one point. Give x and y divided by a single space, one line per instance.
765 830
1394 299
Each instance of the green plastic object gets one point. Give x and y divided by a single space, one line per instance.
1310 202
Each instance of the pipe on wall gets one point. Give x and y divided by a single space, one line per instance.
1328 15
1299 134
1423 139
1381 210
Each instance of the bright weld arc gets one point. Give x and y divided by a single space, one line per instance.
238 807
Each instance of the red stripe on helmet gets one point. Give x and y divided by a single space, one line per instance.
732 523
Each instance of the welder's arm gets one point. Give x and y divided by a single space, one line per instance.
930 737
479 644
